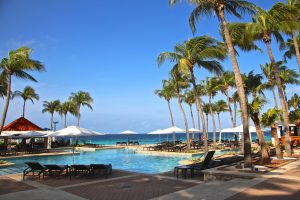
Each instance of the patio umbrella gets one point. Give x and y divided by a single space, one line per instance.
239 129
157 132
74 131
194 130
128 132
173 129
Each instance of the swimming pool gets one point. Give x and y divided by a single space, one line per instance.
119 158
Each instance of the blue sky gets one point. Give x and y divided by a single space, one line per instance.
108 48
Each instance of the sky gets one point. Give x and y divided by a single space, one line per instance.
109 49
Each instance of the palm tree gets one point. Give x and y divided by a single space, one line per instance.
81 98
235 99
268 72
290 49
268 119
210 86
65 108
265 25
294 102
253 84
294 117
179 82
51 107
189 98
3 86
288 77
202 52
290 25
206 110
236 8
220 106
226 81
167 92
17 65
254 108
28 93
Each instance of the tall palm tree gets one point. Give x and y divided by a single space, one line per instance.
28 93
81 98
65 108
268 72
220 106
268 119
290 25
189 98
265 25
3 86
17 64
202 52
210 86
294 102
220 8
290 49
51 107
288 77
226 81
254 109
235 99
206 110
167 92
253 84
180 82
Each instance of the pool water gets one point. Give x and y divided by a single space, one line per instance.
119 158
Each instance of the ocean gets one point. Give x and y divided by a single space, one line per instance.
111 139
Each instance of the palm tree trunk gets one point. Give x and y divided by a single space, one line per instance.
276 104
277 143
274 96
24 103
265 157
193 121
213 122
185 123
172 121
207 125
296 49
240 90
229 107
8 90
51 122
78 116
282 102
234 107
220 128
65 124
199 110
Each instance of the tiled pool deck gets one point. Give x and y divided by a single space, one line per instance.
282 183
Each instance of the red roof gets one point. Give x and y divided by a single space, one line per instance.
22 124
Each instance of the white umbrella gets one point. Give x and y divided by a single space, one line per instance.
128 132
238 129
159 131
74 131
194 130
173 129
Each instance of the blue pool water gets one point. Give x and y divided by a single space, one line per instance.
119 158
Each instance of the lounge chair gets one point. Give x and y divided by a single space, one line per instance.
195 167
34 167
205 164
101 167
57 169
80 169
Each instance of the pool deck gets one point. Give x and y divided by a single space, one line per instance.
281 183
53 153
